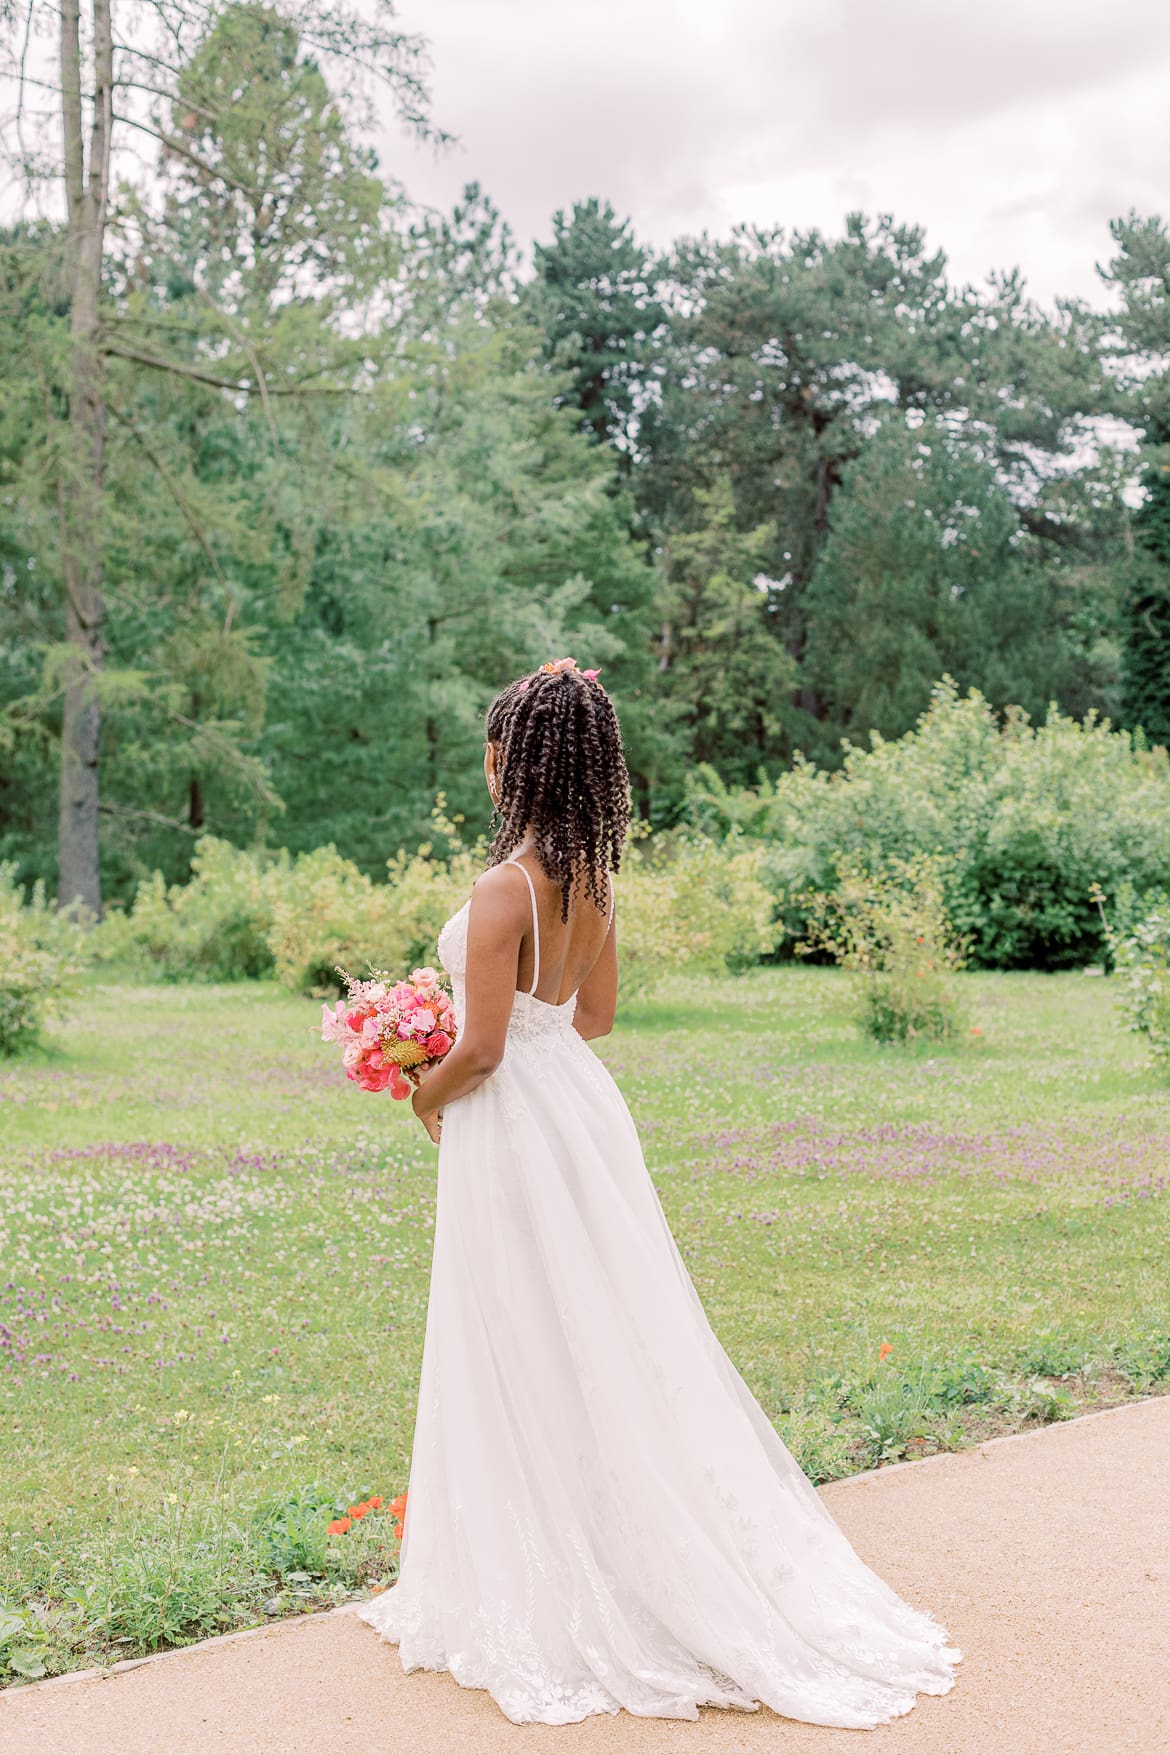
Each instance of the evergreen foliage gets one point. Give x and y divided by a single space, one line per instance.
360 467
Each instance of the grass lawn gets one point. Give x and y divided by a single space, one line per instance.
214 1257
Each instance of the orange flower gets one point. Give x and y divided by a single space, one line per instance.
398 1532
356 1511
339 1526
398 1507
884 1350
376 1503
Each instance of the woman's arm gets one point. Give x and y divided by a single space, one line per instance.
597 994
500 914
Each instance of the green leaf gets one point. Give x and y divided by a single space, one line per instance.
26 1661
11 1623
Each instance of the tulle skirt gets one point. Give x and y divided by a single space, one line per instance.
600 1514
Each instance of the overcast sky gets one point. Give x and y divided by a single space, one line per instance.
1013 130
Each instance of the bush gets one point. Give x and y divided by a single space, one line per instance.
1142 962
328 914
42 952
217 927
686 901
892 931
1025 818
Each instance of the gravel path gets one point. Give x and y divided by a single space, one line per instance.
1047 1556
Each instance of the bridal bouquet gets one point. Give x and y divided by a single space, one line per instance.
389 1029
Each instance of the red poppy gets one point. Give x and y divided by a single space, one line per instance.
339 1526
398 1507
376 1503
884 1350
398 1532
356 1511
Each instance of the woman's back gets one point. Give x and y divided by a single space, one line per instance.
557 956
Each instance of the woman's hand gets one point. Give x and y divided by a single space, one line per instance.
431 1118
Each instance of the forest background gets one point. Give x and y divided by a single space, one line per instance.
313 472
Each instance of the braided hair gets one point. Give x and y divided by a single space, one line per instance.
562 773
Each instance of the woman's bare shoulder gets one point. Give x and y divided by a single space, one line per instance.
500 891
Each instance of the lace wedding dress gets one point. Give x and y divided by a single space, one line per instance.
600 1514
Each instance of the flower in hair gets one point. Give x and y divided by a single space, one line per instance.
558 667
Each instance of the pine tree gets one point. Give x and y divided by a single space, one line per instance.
596 301
1146 613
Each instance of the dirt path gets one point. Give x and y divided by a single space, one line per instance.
1047 1556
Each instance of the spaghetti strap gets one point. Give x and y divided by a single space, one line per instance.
535 923
612 901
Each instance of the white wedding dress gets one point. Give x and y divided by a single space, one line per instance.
600 1514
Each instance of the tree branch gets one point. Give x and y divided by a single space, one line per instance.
175 145
241 387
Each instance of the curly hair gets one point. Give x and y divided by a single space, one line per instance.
562 774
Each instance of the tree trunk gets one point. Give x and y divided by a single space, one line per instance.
80 485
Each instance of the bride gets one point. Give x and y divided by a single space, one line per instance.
600 1514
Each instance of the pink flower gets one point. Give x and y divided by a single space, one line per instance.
424 977
437 1045
422 1023
400 1085
591 675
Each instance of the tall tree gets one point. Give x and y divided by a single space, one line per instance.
115 60
596 300
1141 350
928 571
788 349
725 677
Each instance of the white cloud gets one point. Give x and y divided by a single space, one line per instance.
1012 130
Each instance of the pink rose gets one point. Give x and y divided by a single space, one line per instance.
437 1045
423 977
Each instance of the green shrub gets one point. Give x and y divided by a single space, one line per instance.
892 932
327 913
686 901
42 952
217 927
1026 818
1142 963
